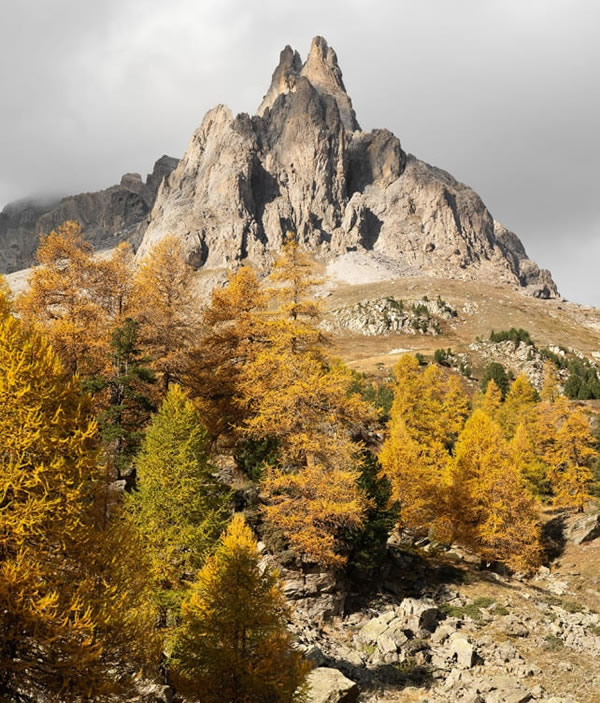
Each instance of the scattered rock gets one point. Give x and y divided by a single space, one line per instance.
331 686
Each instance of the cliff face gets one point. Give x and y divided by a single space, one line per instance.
303 164
107 217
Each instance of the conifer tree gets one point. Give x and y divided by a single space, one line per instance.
492 511
427 415
233 644
128 386
232 331
491 401
532 466
570 472
179 507
518 406
550 384
164 303
71 612
5 296
292 393
77 298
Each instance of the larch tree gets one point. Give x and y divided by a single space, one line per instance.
291 392
551 382
492 510
233 644
179 507
5 298
491 401
427 415
232 331
518 407
166 307
570 471
77 298
72 607
532 466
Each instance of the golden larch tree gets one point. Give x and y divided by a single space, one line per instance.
518 407
166 307
77 298
428 413
550 383
574 452
492 510
233 644
292 393
232 331
72 605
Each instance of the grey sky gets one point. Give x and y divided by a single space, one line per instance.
504 94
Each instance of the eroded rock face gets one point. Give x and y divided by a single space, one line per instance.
303 164
107 216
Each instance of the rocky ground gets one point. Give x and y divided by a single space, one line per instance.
439 628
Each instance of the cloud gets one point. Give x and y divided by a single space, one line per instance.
500 93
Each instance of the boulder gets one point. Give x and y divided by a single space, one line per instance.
420 614
463 651
331 686
584 529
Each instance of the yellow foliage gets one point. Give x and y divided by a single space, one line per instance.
290 392
233 329
164 303
5 297
518 407
233 644
492 511
293 275
76 298
491 401
66 613
427 414
551 381
570 472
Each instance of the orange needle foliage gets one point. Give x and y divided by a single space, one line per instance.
164 303
291 392
77 298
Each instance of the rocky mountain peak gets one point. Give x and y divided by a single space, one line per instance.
321 69
355 198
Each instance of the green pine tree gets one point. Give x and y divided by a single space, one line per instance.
127 387
179 507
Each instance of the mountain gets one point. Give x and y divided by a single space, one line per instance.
107 217
302 163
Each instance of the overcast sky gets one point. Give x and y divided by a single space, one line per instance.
504 94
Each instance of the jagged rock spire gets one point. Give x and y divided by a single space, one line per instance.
321 68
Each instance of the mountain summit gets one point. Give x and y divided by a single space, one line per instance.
304 164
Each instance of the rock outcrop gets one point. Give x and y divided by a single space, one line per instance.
107 216
303 164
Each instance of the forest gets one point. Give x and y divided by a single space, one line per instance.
155 444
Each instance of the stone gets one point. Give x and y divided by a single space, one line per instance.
303 163
463 651
420 614
331 686
155 693
583 529
119 213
